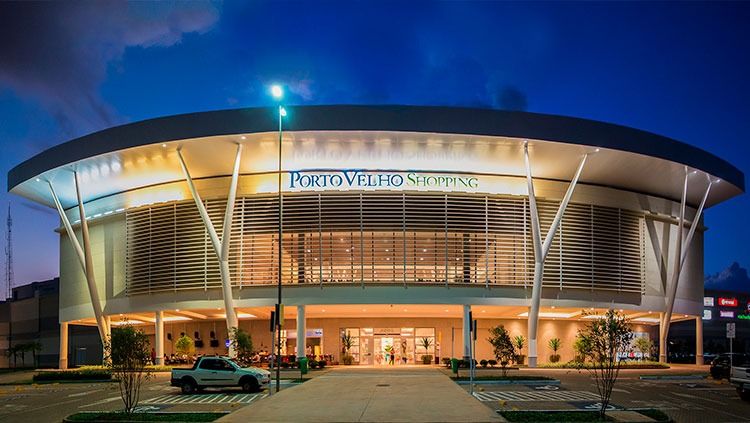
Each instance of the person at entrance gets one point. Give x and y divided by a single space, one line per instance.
392 357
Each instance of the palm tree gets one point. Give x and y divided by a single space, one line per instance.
519 342
35 347
554 344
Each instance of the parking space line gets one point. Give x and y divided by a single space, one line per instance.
204 399
537 396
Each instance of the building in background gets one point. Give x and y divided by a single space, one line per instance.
31 316
720 308
399 225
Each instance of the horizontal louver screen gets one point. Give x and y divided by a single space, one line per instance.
385 238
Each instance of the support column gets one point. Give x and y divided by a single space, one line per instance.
662 340
680 254
63 346
542 248
221 246
159 338
301 333
467 333
84 255
699 340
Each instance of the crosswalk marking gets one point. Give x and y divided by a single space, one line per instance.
537 396
204 399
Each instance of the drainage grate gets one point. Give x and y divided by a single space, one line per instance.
382 384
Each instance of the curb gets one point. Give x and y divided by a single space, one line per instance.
686 377
510 382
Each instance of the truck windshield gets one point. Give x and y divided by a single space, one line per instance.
238 363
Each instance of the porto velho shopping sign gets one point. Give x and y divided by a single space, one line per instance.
358 179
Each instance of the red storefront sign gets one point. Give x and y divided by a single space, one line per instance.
727 302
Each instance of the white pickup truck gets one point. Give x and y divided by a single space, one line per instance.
740 378
219 372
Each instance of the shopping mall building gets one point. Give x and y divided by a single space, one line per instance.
395 224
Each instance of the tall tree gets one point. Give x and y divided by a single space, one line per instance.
126 354
243 344
503 347
185 347
606 339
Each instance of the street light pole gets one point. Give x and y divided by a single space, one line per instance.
278 94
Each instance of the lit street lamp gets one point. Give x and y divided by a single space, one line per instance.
278 93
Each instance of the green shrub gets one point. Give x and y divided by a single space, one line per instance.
322 363
313 364
625 365
446 361
426 359
347 359
492 362
483 363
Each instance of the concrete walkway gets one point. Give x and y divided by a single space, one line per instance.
370 394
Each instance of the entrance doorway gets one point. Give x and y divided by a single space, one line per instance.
389 346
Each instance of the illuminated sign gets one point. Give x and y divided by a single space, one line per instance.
708 301
727 302
707 315
748 307
361 179
724 313
743 316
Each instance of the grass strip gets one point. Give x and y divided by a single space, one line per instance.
655 414
144 417
553 416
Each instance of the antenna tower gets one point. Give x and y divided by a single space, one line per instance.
9 256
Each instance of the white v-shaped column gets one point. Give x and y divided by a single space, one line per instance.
541 249
221 247
84 256
680 253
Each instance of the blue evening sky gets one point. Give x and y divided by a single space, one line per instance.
67 69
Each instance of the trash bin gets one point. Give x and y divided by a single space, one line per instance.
454 365
303 365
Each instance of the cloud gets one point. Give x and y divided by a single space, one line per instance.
733 278
57 53
510 98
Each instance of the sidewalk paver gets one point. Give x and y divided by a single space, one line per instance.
370 394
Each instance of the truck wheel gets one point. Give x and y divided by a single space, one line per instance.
744 395
188 386
249 384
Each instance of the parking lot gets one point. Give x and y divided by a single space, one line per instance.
685 400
